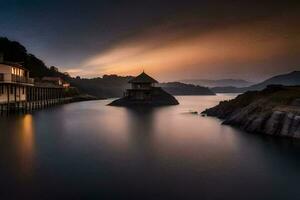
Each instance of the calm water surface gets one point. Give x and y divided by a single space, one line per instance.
88 150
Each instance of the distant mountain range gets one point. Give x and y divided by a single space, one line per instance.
292 78
289 79
218 83
114 86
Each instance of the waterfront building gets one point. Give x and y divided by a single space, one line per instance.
19 92
142 87
14 82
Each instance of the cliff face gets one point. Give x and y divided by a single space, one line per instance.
273 111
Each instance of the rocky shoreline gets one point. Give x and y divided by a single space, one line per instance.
273 111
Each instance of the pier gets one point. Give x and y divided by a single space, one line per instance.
33 98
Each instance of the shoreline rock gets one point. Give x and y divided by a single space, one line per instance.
272 111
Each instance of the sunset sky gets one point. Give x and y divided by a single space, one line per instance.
170 40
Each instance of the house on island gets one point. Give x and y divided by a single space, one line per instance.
141 87
143 91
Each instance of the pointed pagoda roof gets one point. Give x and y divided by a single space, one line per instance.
143 78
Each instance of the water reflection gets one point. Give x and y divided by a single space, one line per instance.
26 144
141 127
141 120
89 148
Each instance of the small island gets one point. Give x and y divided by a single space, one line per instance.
144 92
272 111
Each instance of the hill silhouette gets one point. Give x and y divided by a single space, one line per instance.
289 79
218 82
15 52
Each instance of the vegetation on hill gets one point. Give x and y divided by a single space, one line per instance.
177 88
106 87
114 86
15 52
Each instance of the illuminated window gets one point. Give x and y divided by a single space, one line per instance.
14 71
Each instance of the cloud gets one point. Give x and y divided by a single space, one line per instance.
178 50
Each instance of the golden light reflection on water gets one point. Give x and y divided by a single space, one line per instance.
26 144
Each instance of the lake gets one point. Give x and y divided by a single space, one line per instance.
88 150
